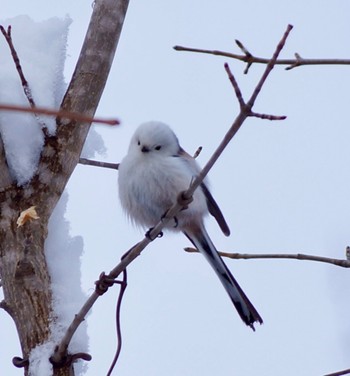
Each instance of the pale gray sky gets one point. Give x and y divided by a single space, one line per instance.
283 187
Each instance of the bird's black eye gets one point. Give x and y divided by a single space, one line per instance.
158 147
138 142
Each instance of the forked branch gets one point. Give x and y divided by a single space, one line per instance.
245 111
250 59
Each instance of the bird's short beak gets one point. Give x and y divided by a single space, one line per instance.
145 149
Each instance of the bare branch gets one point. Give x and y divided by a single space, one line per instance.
123 285
62 114
250 59
235 86
243 48
90 162
295 256
134 252
339 373
115 166
270 66
249 56
197 152
268 117
246 110
26 88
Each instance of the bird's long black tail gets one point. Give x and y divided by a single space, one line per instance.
244 307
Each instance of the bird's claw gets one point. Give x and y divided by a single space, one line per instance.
175 219
183 200
148 234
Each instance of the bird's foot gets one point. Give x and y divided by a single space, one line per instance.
165 216
150 236
183 200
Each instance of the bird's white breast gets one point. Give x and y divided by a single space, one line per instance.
149 186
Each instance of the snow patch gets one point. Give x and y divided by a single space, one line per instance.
41 47
63 254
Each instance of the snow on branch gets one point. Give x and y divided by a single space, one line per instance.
29 95
183 200
27 90
250 59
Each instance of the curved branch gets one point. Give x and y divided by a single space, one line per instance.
130 256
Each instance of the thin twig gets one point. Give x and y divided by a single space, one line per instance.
90 162
292 63
197 152
134 252
28 92
123 285
183 200
295 256
246 111
59 113
269 67
268 117
235 86
26 88
339 373
115 166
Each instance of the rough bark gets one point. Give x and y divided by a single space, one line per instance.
23 269
5 178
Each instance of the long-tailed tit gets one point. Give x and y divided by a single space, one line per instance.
151 176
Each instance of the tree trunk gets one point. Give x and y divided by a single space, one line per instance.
24 275
23 268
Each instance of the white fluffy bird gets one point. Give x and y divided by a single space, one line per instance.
151 176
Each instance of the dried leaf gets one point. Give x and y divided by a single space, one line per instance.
27 215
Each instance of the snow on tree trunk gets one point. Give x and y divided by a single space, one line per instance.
23 265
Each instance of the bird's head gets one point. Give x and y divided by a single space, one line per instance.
154 138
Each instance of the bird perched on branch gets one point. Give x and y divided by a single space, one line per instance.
151 176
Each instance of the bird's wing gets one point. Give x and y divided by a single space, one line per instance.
213 207
215 211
